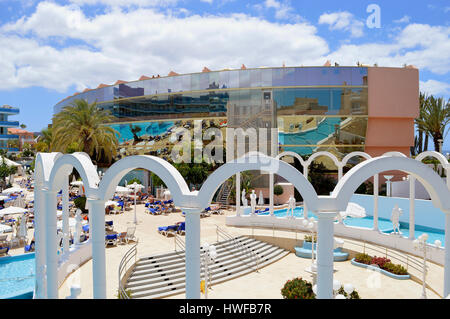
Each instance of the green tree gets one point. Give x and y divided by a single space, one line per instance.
434 119
46 141
83 123
5 171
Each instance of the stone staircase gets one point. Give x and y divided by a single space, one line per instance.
163 275
224 194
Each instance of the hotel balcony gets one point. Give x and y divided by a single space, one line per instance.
9 123
7 110
8 136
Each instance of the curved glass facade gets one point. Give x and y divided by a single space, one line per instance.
314 108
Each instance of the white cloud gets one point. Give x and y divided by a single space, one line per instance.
435 88
427 47
207 1
343 21
127 3
283 10
126 44
404 19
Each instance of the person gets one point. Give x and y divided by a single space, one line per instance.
395 218
253 201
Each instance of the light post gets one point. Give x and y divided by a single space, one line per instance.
311 225
421 244
388 184
135 186
210 254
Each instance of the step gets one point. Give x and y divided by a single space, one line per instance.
180 288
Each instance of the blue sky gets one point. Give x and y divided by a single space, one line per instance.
50 49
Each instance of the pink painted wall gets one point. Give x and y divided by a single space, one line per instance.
393 100
288 190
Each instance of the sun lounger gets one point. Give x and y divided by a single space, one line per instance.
167 230
109 225
111 240
4 250
181 230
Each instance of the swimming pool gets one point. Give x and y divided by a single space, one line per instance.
385 225
17 274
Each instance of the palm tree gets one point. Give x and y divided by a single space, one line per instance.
45 141
83 123
435 117
422 144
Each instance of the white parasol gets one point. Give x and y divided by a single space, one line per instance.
12 210
13 190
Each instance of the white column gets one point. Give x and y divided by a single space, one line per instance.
97 237
238 194
40 241
51 245
65 215
340 172
447 255
305 208
271 180
192 253
325 245
412 197
375 201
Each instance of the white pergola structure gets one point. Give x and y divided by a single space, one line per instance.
52 170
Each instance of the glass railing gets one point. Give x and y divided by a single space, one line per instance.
9 123
8 136
9 110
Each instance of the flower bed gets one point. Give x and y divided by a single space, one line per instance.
384 264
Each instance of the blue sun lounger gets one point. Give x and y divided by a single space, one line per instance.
111 240
166 230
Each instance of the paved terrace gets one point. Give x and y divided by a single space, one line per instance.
267 283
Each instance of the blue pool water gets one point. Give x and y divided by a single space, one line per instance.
17 276
147 128
385 225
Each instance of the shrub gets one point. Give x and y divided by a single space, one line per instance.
380 261
308 238
353 295
297 288
278 190
395 269
363 258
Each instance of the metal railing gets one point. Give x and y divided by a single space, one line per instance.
123 269
243 250
179 242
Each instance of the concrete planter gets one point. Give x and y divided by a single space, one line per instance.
387 273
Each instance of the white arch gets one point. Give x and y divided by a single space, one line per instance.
441 158
353 154
395 153
323 153
82 163
43 167
264 163
345 188
293 154
169 174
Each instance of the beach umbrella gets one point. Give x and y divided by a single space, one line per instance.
5 228
77 183
2 197
261 198
13 190
12 210
121 189
353 210
23 227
